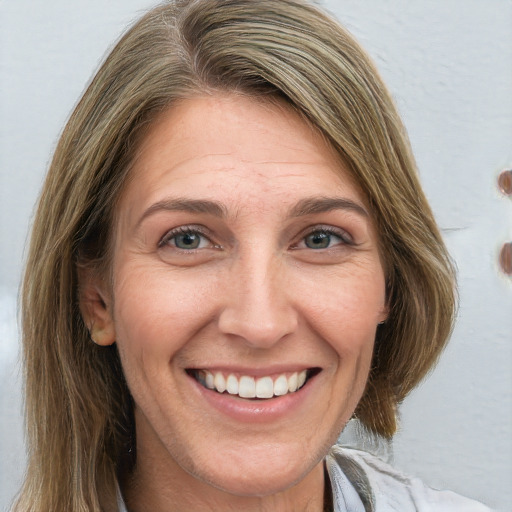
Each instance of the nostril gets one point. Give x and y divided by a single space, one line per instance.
254 329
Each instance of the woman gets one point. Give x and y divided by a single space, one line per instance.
238 258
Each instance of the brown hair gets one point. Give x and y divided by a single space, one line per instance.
77 403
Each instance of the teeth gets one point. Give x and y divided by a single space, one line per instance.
232 385
292 383
219 382
248 387
264 388
210 381
281 386
301 379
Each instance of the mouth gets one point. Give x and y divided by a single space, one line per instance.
256 388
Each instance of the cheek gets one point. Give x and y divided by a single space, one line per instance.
157 312
345 309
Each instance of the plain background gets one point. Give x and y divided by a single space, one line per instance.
448 64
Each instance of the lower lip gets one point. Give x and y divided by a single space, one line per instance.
256 411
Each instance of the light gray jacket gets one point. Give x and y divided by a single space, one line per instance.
362 482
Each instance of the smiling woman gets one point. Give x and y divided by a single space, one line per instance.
238 259
258 308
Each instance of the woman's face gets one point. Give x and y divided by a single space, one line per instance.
246 259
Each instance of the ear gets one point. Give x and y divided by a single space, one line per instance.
383 314
95 306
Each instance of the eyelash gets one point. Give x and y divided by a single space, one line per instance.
344 237
184 230
341 234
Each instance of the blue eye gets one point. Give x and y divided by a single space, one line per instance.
185 239
325 239
318 240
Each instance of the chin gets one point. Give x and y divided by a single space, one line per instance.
263 471
251 482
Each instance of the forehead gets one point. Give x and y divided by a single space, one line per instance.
234 148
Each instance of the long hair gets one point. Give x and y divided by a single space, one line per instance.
78 407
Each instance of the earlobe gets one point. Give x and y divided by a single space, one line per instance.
95 307
384 314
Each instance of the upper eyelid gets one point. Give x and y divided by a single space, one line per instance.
337 231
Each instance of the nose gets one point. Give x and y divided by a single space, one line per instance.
258 307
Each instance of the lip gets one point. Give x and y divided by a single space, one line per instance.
254 410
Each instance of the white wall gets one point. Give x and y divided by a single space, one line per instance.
449 65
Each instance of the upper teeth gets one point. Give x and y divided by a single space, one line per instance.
249 387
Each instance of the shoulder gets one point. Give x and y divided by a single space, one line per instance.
382 488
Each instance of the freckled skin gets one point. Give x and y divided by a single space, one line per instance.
252 294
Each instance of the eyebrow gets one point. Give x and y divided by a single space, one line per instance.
312 205
185 205
307 206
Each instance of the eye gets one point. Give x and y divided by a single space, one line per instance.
318 240
325 238
186 239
